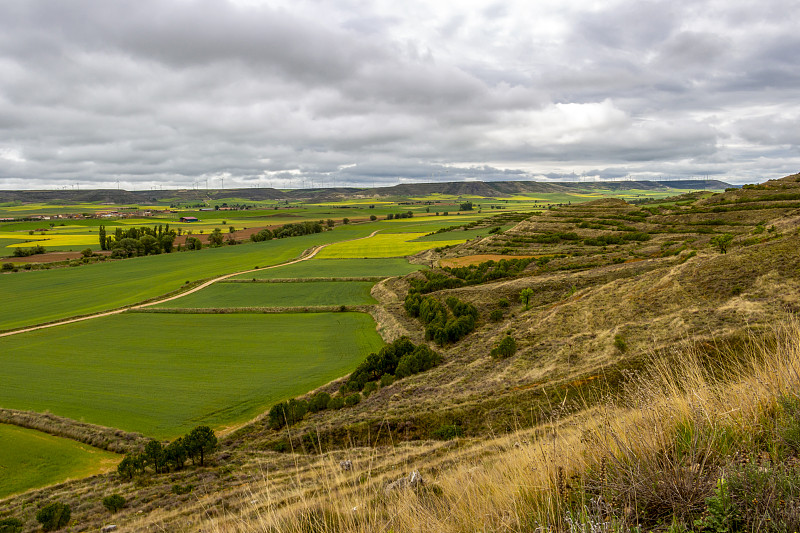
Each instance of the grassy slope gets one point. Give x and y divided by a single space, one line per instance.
30 459
163 374
311 293
58 293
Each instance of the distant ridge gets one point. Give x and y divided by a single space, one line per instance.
453 188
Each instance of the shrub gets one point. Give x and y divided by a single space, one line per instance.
11 525
619 343
182 489
114 503
352 399
54 516
505 348
420 360
496 315
503 302
319 402
447 432
336 402
373 218
7 267
386 380
369 388
287 413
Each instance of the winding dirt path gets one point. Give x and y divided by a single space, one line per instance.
305 256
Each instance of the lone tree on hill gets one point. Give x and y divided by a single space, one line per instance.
525 297
722 242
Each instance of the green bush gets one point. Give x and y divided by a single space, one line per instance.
353 399
114 503
54 516
319 402
505 348
11 525
386 380
447 432
182 489
369 388
336 402
420 360
287 413
620 344
496 315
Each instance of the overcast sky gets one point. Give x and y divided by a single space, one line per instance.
169 93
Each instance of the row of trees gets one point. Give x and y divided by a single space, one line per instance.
490 270
396 360
195 445
133 242
27 252
289 230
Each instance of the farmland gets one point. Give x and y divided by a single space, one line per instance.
64 292
390 245
337 268
165 372
310 293
32 459
200 369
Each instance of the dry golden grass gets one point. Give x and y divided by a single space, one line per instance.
518 482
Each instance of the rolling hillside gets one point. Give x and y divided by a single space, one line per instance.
657 344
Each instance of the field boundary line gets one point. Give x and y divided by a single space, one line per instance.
304 256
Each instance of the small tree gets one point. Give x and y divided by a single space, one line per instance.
345 220
175 454
215 237
200 442
86 252
154 455
525 297
130 465
113 503
54 516
722 242
373 218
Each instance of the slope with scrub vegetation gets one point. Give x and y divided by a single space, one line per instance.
626 368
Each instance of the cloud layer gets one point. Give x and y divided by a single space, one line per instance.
169 93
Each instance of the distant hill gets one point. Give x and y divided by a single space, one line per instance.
454 188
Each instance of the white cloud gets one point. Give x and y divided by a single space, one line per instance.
172 91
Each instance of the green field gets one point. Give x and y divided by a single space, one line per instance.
31 459
311 293
337 268
390 245
47 295
162 374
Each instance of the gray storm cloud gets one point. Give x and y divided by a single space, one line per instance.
172 92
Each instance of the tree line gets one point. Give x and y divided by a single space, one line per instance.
132 242
396 360
289 230
195 445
